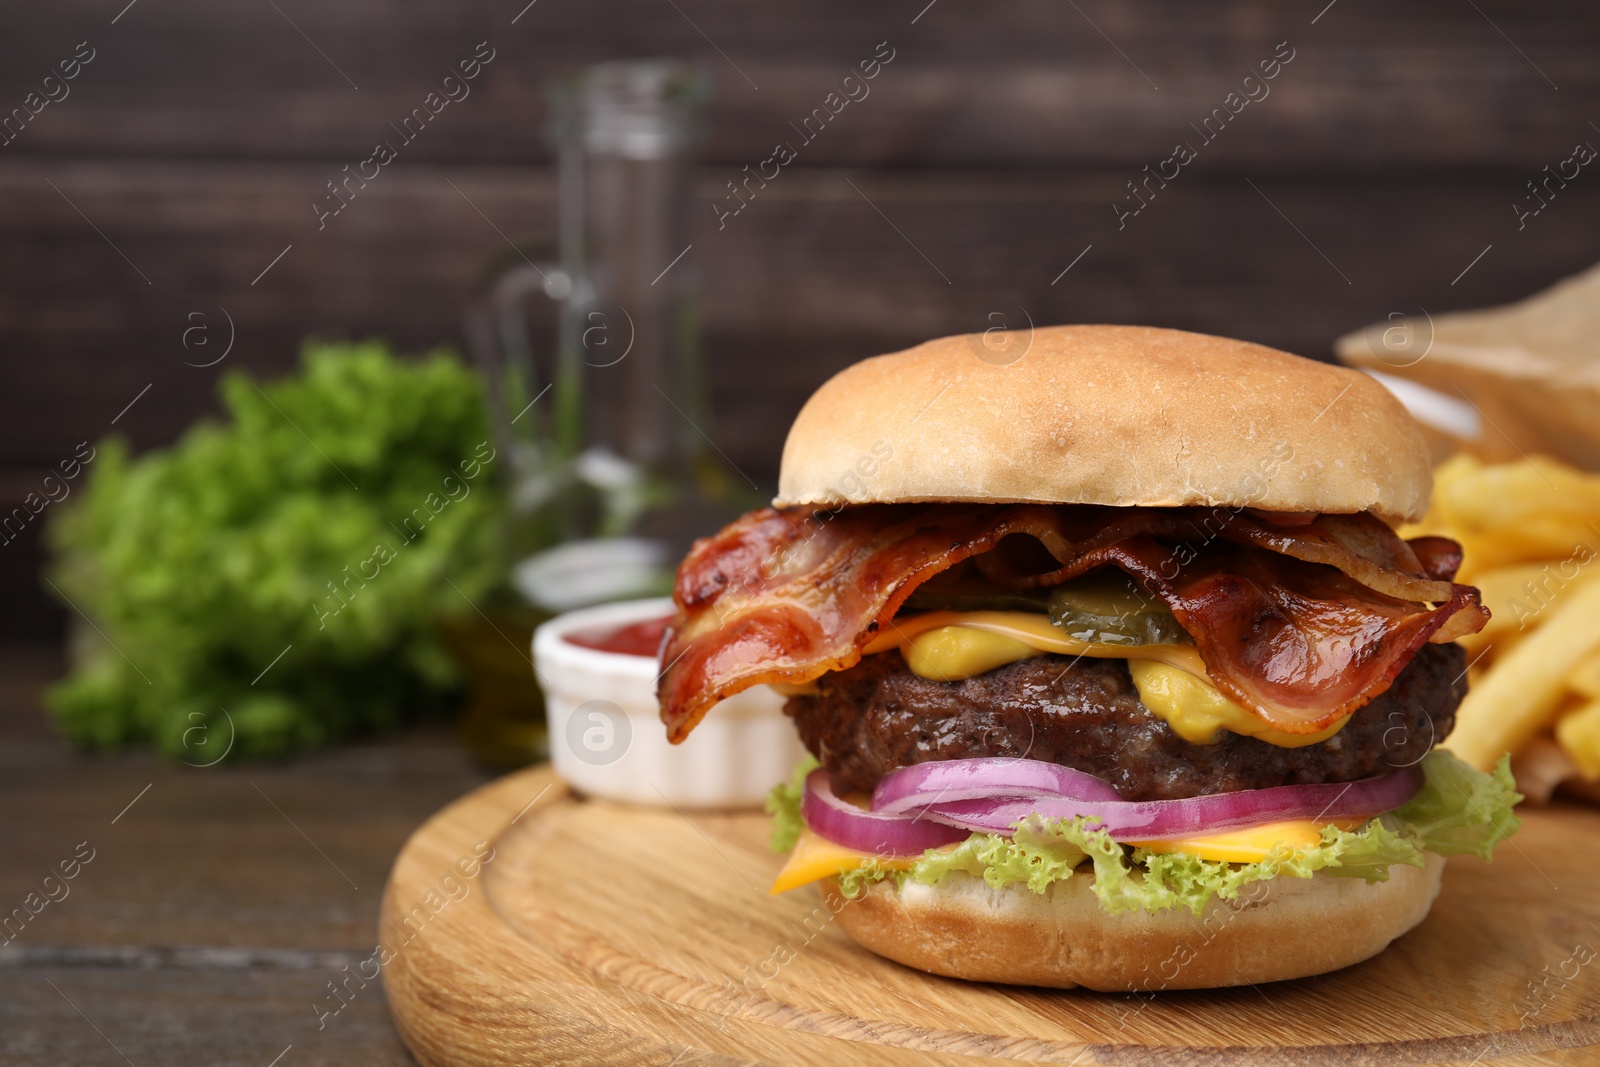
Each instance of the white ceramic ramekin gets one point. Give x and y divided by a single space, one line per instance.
606 735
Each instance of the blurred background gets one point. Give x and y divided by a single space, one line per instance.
173 184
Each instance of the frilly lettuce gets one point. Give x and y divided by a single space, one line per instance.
1458 810
783 804
1461 809
1035 855
204 562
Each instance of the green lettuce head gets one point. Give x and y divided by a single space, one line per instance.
273 581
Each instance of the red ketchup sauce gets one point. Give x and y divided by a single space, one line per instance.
634 639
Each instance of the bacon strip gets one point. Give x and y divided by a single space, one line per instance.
1301 645
1301 624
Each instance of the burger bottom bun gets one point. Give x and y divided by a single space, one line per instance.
1275 929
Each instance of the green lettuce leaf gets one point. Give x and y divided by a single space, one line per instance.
1042 852
1367 851
853 883
783 804
1461 809
1035 856
1458 810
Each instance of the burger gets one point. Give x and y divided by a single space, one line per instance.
1114 667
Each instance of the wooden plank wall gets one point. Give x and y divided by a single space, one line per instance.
186 153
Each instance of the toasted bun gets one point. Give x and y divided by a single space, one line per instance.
1289 928
1106 415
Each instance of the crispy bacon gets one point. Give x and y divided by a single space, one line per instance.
1300 623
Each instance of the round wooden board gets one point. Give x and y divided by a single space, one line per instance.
599 933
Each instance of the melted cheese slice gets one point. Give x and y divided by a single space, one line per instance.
815 857
1250 844
950 657
1199 713
947 646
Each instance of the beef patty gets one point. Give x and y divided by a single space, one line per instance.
877 716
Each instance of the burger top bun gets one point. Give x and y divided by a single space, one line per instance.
1276 929
1119 415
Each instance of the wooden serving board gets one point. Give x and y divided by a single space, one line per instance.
599 933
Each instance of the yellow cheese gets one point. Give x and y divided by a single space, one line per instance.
1198 712
1251 844
948 646
951 653
816 857
1026 628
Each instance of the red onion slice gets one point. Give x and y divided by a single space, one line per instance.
1141 820
943 781
875 832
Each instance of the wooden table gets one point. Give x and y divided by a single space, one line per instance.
681 957
218 904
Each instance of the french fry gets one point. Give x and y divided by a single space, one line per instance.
1536 510
1564 543
1540 767
1482 662
1513 494
1550 537
1518 596
1529 532
1501 587
1585 678
1578 734
1521 693
1445 476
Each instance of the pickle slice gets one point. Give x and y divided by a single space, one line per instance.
1106 606
962 588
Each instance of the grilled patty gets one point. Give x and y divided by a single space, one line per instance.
877 716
